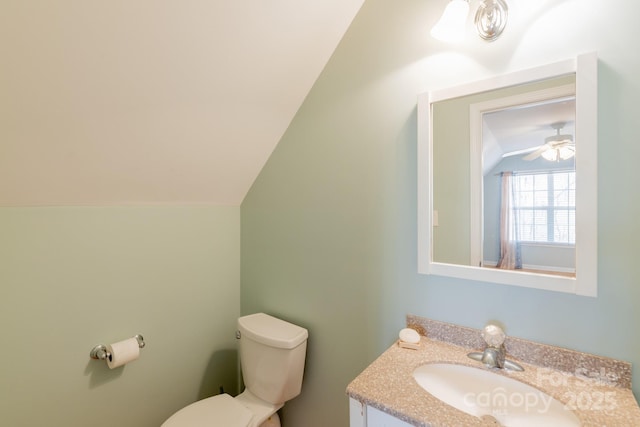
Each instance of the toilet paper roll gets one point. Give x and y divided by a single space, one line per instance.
122 352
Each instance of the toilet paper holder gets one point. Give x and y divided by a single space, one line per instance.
100 352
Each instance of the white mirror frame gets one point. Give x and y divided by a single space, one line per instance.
585 282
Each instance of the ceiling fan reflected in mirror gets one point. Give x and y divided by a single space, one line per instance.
555 148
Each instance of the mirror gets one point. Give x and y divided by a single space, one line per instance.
507 179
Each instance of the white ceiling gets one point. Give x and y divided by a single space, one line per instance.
153 102
524 128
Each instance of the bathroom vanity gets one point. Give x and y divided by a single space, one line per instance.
361 415
591 390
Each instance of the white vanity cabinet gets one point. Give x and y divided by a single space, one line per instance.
361 415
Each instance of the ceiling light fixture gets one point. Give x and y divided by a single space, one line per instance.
490 20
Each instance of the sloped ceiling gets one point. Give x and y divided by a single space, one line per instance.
153 102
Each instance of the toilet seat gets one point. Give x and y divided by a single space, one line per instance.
220 410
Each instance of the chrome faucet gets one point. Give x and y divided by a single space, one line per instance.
493 355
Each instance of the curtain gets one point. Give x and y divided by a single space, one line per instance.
510 256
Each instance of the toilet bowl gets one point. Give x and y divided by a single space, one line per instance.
272 354
221 410
225 411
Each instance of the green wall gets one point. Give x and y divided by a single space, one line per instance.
71 278
329 227
328 239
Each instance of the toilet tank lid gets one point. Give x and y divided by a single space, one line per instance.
271 331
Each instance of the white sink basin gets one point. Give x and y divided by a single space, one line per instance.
485 394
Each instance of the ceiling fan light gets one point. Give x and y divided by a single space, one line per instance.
550 154
565 153
557 154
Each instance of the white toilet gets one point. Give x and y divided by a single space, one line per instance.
272 354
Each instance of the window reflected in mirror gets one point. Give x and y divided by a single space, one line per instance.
529 187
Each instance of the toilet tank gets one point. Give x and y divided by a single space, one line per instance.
272 354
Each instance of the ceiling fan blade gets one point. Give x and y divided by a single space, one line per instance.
523 151
536 153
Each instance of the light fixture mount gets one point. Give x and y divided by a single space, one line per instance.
491 19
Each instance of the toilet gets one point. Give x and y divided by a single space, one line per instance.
272 355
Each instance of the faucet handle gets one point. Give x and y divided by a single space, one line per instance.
493 335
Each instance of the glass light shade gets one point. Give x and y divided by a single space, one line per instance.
566 153
451 25
550 154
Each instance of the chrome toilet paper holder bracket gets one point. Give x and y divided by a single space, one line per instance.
100 352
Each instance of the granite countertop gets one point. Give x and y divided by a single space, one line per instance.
387 384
